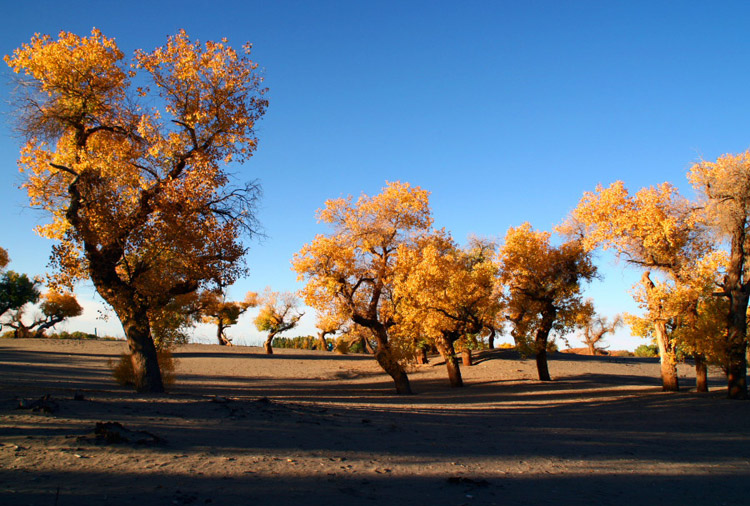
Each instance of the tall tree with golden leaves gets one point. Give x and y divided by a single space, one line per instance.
447 293
658 231
725 188
355 266
138 197
542 285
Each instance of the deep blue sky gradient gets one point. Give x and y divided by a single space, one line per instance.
506 111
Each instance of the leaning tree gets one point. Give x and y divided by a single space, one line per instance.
355 266
128 159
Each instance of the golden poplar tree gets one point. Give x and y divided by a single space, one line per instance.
217 310
132 177
278 313
355 266
542 285
724 186
660 232
447 294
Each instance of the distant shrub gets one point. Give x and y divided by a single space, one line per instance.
122 371
297 343
9 334
646 351
528 348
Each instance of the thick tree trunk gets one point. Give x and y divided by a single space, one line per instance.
592 349
385 358
540 342
737 289
322 345
491 339
541 363
389 363
422 356
445 347
267 345
147 375
701 373
737 346
667 357
466 358
223 341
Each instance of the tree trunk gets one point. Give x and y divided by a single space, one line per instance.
737 346
267 345
445 347
322 341
701 373
541 364
466 358
223 341
146 373
368 346
389 363
592 348
542 335
491 339
385 358
667 357
422 356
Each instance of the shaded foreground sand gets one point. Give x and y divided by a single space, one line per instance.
315 428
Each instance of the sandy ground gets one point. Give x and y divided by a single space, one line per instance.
316 428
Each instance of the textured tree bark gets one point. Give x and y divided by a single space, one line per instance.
737 349
541 365
267 345
445 347
701 373
147 375
540 342
385 358
384 354
223 341
592 349
667 357
737 289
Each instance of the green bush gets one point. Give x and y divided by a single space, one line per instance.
297 343
647 351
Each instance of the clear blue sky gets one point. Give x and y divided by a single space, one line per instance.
506 111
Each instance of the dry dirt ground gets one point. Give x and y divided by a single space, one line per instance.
314 428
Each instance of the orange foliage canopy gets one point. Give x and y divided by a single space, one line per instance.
353 270
137 195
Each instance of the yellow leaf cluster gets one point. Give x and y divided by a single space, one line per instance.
130 188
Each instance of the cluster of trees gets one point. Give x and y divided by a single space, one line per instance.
384 268
18 293
134 180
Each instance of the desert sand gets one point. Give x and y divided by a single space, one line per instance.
316 428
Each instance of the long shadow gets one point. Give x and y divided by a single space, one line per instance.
510 354
67 488
275 356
